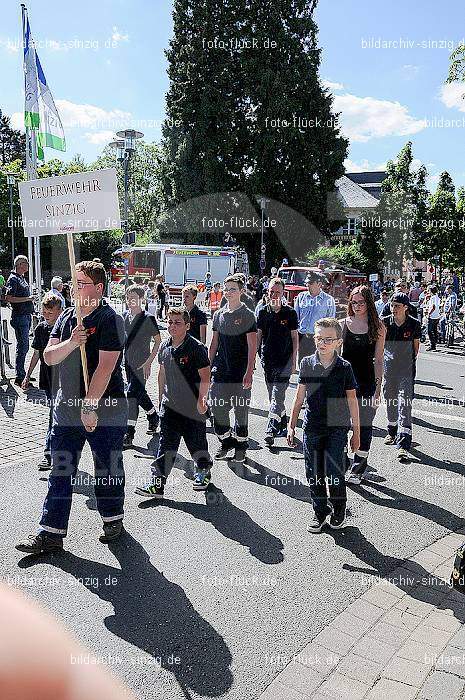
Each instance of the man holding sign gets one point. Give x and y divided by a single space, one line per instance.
98 415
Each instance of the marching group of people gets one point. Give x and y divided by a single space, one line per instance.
343 366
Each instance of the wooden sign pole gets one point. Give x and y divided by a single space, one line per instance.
72 263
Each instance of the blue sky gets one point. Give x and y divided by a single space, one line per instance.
106 68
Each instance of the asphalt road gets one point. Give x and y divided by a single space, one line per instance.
210 595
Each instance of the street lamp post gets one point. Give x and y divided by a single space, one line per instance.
125 147
263 203
11 181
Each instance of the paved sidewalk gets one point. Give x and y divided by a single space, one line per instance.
402 639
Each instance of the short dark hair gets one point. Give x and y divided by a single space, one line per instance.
180 311
51 300
237 278
94 271
330 323
315 276
137 289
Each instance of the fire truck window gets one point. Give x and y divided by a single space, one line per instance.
196 269
174 269
147 259
220 268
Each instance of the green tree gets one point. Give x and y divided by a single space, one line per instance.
442 223
246 113
12 143
347 255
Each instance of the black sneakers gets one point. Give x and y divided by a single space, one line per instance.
317 523
240 454
337 520
269 439
45 463
40 544
156 489
111 531
129 437
225 451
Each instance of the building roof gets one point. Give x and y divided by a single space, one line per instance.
353 195
370 181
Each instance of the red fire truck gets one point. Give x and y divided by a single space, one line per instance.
179 264
340 281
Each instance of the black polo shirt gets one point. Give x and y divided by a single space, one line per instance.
105 332
325 388
399 352
198 318
48 376
17 286
276 327
230 361
387 311
182 379
140 331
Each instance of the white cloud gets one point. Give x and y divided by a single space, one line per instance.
365 118
84 116
362 166
453 95
409 71
332 86
117 36
98 138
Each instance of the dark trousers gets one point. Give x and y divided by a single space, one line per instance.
306 345
21 325
224 397
137 393
398 392
173 428
433 331
48 437
324 468
67 442
367 413
277 381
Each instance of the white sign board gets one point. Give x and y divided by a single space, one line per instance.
373 277
70 203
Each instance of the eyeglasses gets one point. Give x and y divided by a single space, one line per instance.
81 285
231 289
325 341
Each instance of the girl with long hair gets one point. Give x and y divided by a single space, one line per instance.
363 335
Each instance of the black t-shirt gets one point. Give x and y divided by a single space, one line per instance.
105 332
245 298
327 405
198 318
276 327
48 376
161 291
140 330
399 352
182 378
17 286
230 361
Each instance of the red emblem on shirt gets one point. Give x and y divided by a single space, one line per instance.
284 322
184 360
91 331
237 321
407 334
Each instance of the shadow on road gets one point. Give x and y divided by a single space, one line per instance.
230 521
452 432
154 615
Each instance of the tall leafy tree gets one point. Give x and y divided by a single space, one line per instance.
12 142
442 222
246 113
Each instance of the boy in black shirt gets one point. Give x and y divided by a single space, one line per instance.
232 356
183 384
98 415
141 328
51 309
278 341
198 323
401 348
328 383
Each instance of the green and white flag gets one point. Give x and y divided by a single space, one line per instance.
40 112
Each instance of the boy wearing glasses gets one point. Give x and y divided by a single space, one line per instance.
232 355
328 384
99 415
278 343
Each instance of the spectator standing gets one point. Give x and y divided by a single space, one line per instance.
56 287
433 314
311 306
18 294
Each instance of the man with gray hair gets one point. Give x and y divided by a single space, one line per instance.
18 294
56 287
311 306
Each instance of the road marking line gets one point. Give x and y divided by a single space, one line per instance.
446 416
